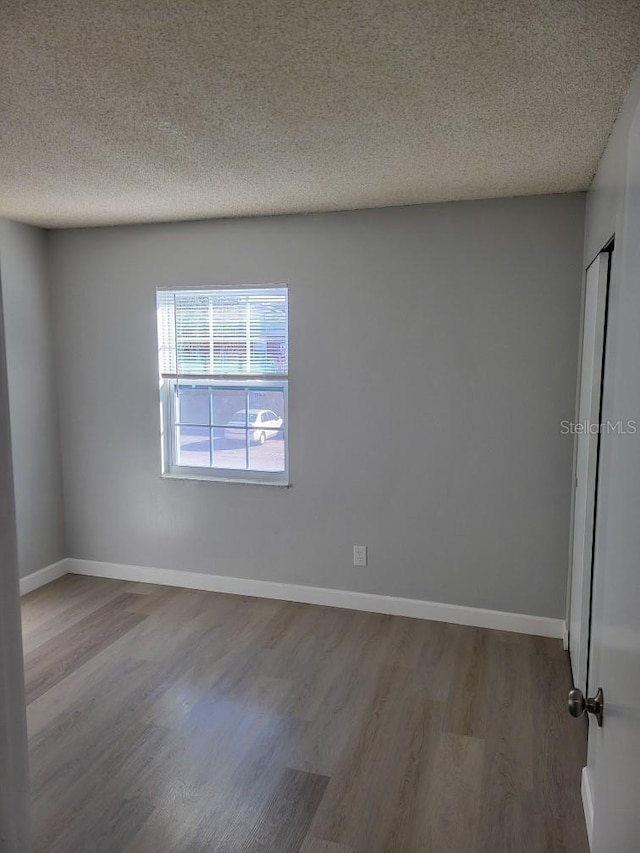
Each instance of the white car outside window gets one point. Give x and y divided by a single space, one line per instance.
261 423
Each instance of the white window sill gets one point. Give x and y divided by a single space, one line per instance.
241 482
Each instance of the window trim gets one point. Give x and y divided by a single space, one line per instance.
167 381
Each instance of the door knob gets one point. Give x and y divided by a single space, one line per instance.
578 704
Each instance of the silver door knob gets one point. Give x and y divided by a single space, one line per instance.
578 704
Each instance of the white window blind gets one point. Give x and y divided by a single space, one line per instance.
223 332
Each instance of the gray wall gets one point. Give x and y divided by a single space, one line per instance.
433 354
604 215
32 396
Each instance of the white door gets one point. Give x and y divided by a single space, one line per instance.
613 773
595 301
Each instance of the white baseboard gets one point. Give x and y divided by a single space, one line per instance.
43 576
457 614
587 803
565 636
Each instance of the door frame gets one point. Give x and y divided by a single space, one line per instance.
15 832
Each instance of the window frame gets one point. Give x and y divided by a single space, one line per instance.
168 427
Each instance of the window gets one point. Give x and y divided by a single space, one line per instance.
223 355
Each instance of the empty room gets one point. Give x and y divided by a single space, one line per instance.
319 410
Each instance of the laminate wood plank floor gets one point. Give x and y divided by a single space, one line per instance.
165 720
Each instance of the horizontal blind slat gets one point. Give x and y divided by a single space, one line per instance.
235 331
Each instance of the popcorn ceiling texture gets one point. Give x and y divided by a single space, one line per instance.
116 111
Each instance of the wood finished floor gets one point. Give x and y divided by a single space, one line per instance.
174 720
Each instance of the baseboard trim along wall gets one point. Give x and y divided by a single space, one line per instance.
587 803
438 612
43 576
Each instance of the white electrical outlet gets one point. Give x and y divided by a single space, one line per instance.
359 555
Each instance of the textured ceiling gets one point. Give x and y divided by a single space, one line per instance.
142 110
